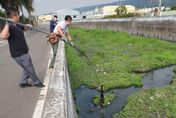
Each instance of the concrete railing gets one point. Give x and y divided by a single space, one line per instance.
158 27
59 101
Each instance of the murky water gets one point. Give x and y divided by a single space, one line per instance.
158 78
84 95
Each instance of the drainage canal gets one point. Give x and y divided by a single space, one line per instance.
84 95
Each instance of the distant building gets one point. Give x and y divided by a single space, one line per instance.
90 14
44 18
151 11
110 10
130 8
107 10
169 13
76 15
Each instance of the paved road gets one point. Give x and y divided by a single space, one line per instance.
14 101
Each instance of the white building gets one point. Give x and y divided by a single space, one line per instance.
107 10
110 10
149 11
44 18
94 14
76 15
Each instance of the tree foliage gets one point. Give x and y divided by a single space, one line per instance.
121 10
173 8
19 4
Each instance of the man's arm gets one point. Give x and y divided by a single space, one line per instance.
27 27
59 30
5 32
68 36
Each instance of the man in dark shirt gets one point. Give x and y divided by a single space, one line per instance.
19 49
53 24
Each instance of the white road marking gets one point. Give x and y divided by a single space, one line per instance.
42 97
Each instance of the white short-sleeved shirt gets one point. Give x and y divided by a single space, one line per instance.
63 26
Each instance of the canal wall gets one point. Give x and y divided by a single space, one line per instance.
157 27
59 101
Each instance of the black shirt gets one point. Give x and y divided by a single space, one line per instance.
17 42
52 25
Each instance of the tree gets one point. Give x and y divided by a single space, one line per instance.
2 13
118 12
28 5
121 10
173 8
18 4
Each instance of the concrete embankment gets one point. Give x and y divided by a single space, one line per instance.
157 27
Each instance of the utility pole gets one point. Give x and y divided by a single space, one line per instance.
35 15
119 2
160 2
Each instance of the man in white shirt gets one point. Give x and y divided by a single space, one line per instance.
62 30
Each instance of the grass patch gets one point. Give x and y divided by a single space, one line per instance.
116 55
119 59
151 103
122 16
108 98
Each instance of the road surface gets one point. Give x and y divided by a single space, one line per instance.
16 102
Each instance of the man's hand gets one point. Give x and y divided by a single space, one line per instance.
71 43
28 27
64 37
65 40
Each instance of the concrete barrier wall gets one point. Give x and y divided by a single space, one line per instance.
158 27
59 101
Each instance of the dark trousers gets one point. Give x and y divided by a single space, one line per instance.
55 47
28 69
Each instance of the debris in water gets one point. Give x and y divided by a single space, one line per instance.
108 98
102 96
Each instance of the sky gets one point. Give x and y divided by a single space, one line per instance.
48 6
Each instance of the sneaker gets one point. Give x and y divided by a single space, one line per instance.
39 85
25 85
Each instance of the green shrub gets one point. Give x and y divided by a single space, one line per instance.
173 8
122 16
